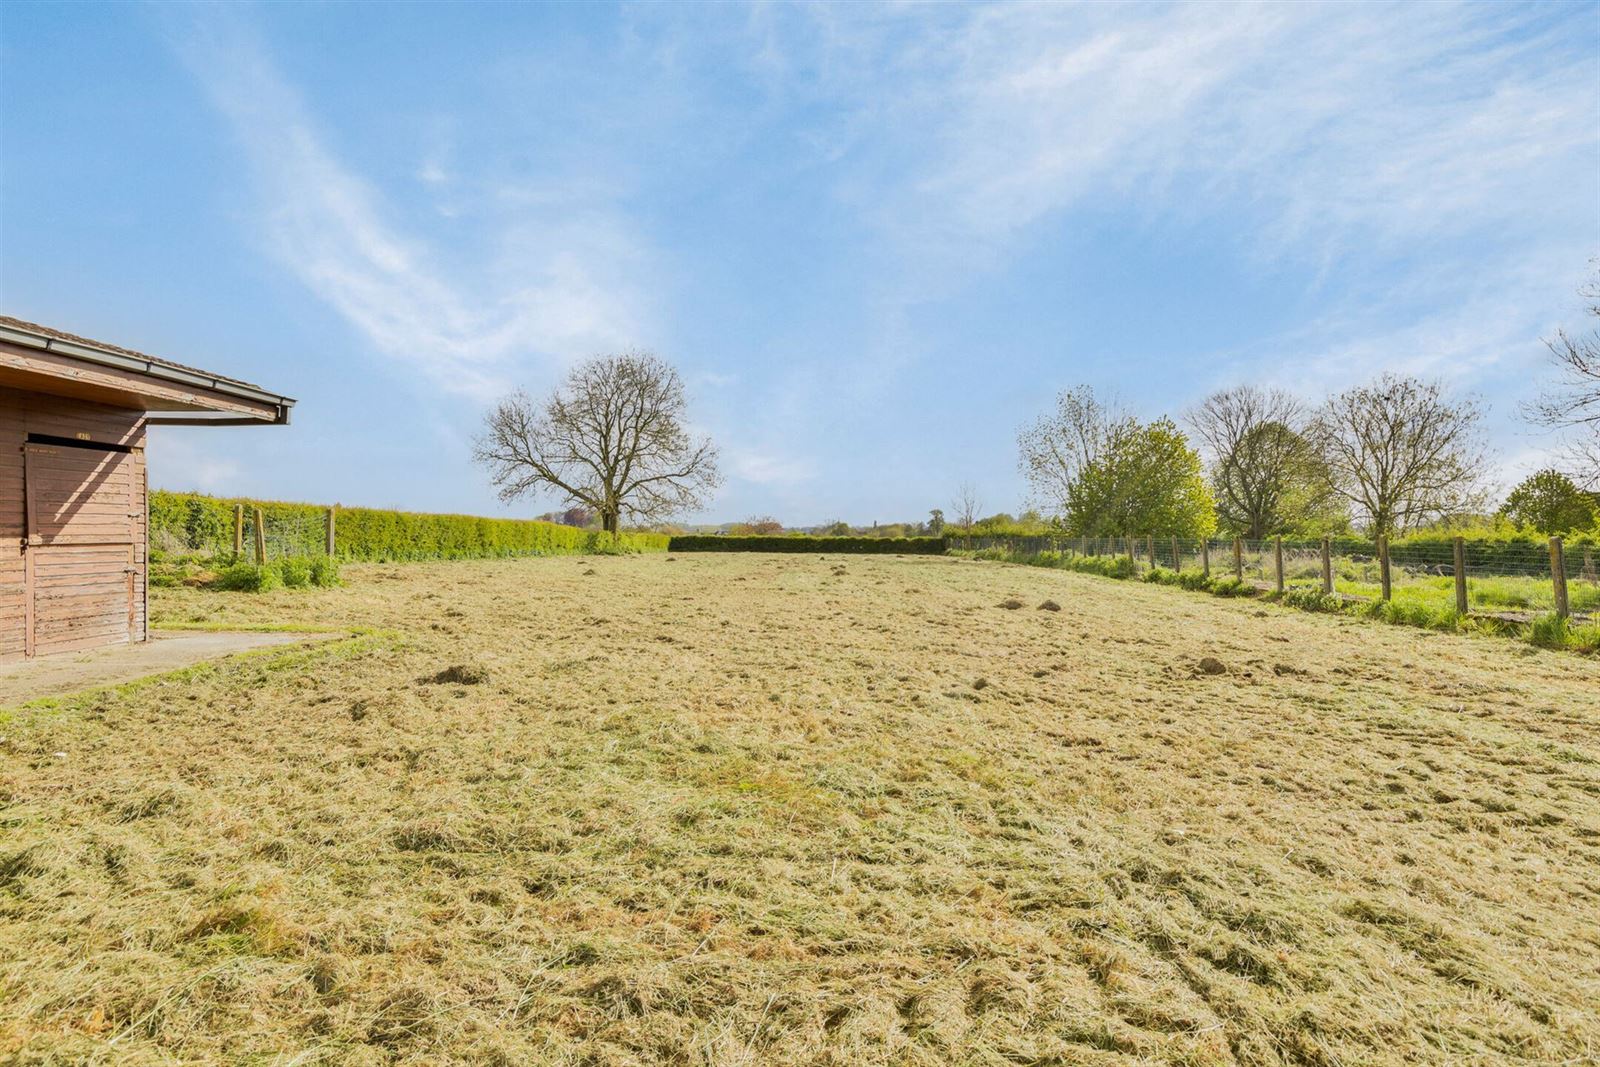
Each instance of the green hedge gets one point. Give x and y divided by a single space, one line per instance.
894 545
203 525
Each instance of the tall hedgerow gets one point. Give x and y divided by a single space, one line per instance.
195 523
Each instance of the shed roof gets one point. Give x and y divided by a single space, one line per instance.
63 335
124 375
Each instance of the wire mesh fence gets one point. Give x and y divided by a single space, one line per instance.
281 536
1517 579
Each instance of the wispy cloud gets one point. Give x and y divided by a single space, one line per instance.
1324 127
767 468
553 288
1448 148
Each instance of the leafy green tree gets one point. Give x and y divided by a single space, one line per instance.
936 522
1144 479
1551 503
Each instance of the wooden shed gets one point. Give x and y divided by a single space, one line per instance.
73 488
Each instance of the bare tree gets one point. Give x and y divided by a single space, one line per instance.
1574 403
1401 451
966 506
1265 476
1055 450
611 437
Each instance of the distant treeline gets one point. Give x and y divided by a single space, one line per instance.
192 523
806 543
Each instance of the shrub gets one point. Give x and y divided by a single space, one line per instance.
296 571
1105 566
249 578
1417 613
1552 631
1549 631
324 571
802 543
1308 598
1233 587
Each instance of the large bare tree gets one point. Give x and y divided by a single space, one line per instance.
611 437
1401 451
1574 402
1265 476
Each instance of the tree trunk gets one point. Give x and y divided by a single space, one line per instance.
608 521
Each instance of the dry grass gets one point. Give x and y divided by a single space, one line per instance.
754 810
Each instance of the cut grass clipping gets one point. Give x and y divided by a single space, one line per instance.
737 810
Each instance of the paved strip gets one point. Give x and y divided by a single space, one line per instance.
72 672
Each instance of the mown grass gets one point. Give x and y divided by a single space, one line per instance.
731 809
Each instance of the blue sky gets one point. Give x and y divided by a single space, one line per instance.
876 240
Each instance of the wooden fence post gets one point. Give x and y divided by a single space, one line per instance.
1383 565
261 539
1150 551
1176 563
1129 541
1327 566
330 532
1277 552
1460 561
1238 559
238 531
1558 575
1205 556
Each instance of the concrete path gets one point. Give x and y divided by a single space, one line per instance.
71 672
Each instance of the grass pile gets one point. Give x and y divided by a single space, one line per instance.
744 809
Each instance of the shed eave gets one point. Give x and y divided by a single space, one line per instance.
157 371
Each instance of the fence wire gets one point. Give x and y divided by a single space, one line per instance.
284 537
1499 577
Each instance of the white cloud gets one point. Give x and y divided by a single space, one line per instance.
553 291
183 461
768 468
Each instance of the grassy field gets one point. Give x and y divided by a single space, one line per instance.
744 809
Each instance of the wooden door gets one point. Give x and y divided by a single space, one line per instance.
80 558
